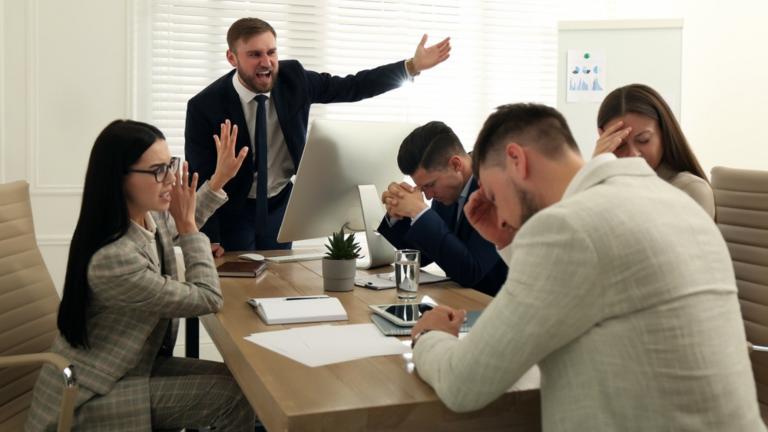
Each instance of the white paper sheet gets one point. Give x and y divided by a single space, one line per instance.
586 75
387 280
327 344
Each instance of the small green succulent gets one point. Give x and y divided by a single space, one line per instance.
341 247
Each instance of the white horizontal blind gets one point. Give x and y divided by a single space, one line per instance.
503 52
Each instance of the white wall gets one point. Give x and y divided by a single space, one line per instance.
65 75
725 64
725 82
66 70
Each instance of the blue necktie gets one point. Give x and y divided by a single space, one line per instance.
261 163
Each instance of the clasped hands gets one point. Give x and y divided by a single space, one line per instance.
403 200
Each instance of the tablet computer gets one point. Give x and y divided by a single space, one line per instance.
402 314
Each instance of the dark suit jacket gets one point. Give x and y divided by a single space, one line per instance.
295 90
465 255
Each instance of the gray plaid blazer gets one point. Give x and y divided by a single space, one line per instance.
131 305
624 294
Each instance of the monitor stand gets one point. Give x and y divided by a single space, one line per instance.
380 251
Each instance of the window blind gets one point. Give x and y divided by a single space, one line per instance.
503 52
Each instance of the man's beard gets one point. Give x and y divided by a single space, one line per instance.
528 206
251 82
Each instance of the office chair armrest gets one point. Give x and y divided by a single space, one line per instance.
67 408
757 348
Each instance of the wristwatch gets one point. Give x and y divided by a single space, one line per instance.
418 335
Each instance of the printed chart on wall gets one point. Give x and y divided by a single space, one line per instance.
586 76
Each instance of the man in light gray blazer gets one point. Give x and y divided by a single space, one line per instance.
620 288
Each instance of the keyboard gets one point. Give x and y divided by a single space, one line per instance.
297 257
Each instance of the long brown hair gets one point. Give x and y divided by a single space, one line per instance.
643 100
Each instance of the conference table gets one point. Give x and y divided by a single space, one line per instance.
377 393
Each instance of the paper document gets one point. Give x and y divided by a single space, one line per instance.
586 75
387 280
299 309
327 344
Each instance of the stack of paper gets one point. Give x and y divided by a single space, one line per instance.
326 344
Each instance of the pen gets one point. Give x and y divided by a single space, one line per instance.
305 298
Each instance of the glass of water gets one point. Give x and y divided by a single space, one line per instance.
407 273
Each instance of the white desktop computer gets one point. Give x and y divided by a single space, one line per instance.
345 167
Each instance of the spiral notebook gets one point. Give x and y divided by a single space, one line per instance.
390 329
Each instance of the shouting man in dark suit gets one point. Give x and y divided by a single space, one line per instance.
269 101
442 170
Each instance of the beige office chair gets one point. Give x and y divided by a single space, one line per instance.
28 306
741 198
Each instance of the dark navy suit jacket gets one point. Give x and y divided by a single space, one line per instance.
295 90
464 255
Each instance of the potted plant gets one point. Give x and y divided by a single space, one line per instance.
340 262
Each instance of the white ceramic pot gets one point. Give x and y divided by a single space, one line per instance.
339 275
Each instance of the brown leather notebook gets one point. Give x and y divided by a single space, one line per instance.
241 268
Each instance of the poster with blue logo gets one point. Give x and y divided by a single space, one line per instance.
586 76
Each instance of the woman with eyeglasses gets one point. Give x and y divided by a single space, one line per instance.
121 294
634 120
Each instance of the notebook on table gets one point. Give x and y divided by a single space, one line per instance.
389 328
241 268
298 309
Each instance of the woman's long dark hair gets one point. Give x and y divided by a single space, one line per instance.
103 216
643 100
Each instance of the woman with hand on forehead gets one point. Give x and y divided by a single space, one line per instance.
122 294
634 120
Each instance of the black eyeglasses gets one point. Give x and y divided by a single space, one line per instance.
161 172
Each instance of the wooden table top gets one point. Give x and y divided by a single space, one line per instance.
378 393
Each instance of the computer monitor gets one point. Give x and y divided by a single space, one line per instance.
345 167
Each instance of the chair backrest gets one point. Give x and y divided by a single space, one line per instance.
741 198
28 301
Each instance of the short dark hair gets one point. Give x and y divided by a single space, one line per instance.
244 28
429 146
643 100
528 124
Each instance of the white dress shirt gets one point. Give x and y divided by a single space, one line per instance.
280 167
